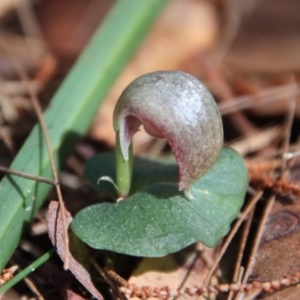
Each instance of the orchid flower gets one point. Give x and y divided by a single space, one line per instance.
175 106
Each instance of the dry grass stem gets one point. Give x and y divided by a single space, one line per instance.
291 155
257 240
38 110
6 137
13 88
256 140
234 13
28 20
238 268
120 281
287 134
190 269
224 91
34 289
252 295
108 279
266 96
243 215
28 176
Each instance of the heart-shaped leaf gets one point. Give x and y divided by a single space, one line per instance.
146 172
158 219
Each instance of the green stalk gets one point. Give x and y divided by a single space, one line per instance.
70 113
24 273
124 169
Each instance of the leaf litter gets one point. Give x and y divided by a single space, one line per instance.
276 254
78 257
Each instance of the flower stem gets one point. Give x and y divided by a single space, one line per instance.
124 169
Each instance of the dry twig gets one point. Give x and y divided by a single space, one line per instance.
38 110
257 240
242 217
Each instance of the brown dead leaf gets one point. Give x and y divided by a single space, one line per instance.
186 27
79 262
264 101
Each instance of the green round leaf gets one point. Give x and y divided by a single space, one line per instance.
158 219
145 172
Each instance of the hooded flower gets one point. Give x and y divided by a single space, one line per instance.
178 107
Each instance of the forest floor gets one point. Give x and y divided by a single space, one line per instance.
247 54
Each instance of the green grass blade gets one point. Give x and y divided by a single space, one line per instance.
31 268
70 113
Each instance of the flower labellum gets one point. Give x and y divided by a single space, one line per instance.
178 107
